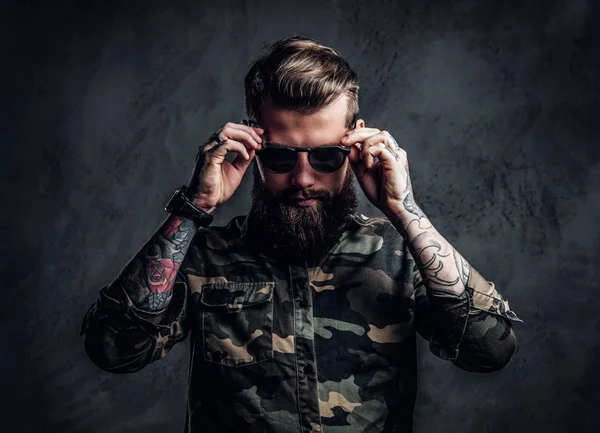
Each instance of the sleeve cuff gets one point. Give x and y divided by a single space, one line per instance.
165 326
450 316
485 297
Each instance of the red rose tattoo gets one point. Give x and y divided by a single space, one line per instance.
161 274
150 276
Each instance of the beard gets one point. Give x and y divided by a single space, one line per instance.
299 234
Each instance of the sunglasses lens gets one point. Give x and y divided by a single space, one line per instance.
327 160
278 160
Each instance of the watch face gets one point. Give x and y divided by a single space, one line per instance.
175 202
181 205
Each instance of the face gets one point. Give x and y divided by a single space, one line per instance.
326 126
298 215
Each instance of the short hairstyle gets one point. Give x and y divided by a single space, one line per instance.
301 74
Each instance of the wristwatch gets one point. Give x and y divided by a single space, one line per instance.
180 204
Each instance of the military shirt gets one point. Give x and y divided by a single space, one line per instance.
283 348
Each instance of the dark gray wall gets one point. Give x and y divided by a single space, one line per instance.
496 103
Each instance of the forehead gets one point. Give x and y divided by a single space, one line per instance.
325 126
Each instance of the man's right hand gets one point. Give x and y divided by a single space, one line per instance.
215 179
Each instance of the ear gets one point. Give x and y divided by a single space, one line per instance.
360 123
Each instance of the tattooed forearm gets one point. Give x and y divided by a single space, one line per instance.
434 260
441 266
148 278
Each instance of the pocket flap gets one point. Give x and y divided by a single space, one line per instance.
236 296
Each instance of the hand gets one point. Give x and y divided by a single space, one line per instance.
215 179
385 182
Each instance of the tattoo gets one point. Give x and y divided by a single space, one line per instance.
441 266
418 225
409 201
176 231
148 278
408 185
394 154
395 142
428 255
411 206
463 267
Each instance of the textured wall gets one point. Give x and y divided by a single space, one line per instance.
496 103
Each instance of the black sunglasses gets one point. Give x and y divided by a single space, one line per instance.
282 159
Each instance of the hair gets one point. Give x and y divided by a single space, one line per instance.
301 74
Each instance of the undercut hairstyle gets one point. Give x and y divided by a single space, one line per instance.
301 74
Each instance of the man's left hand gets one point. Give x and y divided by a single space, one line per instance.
385 182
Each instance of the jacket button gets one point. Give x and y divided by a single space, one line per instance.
308 369
303 303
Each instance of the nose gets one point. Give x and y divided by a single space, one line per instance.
303 175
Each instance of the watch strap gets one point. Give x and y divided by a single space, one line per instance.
181 205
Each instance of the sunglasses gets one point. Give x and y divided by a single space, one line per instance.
282 159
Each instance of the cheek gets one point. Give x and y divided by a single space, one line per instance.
338 179
275 182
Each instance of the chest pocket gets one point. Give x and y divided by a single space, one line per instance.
237 322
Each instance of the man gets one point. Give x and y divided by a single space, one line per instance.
302 314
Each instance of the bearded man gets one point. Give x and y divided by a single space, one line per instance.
302 314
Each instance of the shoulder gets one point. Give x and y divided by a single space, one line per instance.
379 230
229 232
372 242
379 225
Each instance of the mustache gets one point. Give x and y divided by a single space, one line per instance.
304 194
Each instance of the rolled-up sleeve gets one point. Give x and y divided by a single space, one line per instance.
473 329
121 338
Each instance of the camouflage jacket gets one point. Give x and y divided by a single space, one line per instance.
284 348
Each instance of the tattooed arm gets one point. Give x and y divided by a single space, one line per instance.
456 297
440 264
463 309
139 316
148 278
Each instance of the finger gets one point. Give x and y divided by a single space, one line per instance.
216 152
242 135
391 141
250 139
383 153
241 164
383 137
392 145
380 137
254 131
366 145
253 125
358 134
